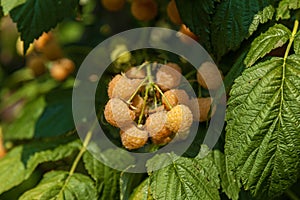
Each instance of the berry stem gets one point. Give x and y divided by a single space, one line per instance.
143 65
136 91
149 75
190 74
79 155
144 105
163 96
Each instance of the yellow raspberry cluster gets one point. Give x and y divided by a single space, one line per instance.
147 105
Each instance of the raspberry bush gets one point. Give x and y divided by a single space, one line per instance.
143 103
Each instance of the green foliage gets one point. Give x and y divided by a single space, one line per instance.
236 20
228 182
8 5
262 141
184 178
35 17
24 126
128 181
195 11
276 36
297 43
142 192
21 161
107 179
283 10
58 185
57 114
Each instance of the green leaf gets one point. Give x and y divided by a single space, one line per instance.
297 43
35 17
128 181
21 161
262 139
57 115
24 126
197 16
107 179
228 181
261 17
184 178
284 7
236 20
276 36
142 192
57 185
8 5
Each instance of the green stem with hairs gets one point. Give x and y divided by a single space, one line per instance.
79 156
136 91
163 96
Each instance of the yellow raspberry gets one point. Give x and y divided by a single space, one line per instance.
175 97
203 105
168 76
144 10
179 120
135 73
118 114
173 13
133 137
156 127
122 87
113 5
208 76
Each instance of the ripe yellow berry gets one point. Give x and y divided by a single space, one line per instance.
185 30
36 65
66 63
133 137
173 13
122 87
43 40
205 112
209 76
134 72
58 73
175 97
179 121
168 77
113 5
118 114
62 68
144 10
156 127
